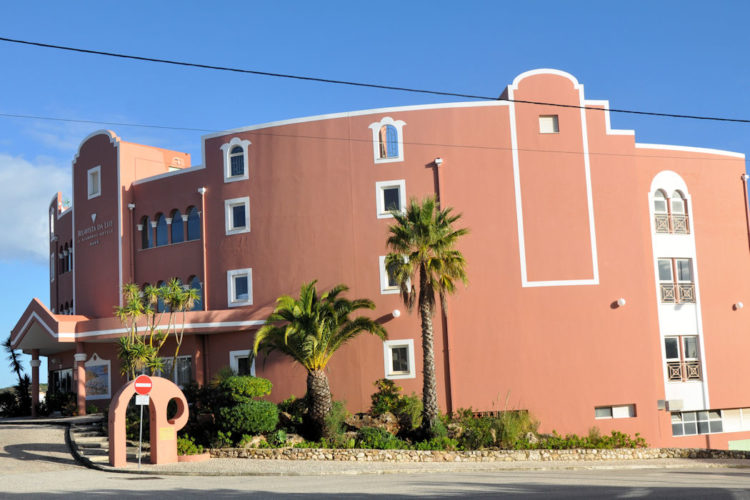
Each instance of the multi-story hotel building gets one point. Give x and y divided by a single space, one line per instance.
607 276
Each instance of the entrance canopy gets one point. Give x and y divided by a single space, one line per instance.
39 329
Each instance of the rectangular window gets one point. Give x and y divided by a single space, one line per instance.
676 280
688 423
616 411
94 182
549 124
182 375
683 360
240 287
399 359
388 282
237 214
390 196
242 362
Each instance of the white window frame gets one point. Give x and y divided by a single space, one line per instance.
388 347
226 152
231 300
380 188
549 124
98 171
375 127
229 215
52 267
234 357
384 287
617 411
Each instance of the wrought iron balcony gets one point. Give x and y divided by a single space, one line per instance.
684 370
677 293
676 224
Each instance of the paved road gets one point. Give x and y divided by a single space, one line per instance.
34 462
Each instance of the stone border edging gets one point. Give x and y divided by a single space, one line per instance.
416 456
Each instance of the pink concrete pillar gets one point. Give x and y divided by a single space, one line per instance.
80 359
34 381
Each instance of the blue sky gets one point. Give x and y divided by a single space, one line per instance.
676 57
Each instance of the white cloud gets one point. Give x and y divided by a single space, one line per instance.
26 189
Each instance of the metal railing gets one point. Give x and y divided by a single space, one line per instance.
684 370
676 224
679 293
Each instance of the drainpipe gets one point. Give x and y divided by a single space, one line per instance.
745 177
443 305
35 362
202 192
131 207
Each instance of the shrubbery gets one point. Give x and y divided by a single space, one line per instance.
243 389
388 398
186 446
253 417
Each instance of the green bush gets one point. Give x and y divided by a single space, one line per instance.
277 438
254 417
505 430
615 439
243 389
335 419
406 409
379 439
437 443
297 409
222 440
186 446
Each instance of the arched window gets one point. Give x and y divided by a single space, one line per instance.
388 138
235 154
661 213
161 230
178 227
195 284
678 207
193 224
146 238
237 161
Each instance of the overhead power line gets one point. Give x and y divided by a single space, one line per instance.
362 84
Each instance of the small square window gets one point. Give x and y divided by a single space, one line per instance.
240 287
548 124
390 196
94 182
603 412
242 362
399 359
237 213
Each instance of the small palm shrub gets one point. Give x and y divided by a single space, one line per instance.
253 417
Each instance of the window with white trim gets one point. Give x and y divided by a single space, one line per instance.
240 287
399 359
683 359
549 124
388 140
388 282
688 423
94 182
676 280
235 154
670 214
615 411
390 196
242 362
237 215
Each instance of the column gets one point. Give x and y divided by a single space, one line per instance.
34 381
80 359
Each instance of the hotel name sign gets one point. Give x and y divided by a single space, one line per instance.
95 231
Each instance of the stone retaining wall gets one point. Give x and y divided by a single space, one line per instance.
360 455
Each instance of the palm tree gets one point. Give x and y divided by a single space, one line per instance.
310 330
15 363
421 245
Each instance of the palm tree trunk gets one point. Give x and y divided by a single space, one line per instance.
429 386
319 394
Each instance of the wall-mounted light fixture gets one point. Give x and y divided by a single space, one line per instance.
202 190
131 206
396 313
738 306
621 302
438 161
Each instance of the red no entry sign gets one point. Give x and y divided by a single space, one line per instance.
143 384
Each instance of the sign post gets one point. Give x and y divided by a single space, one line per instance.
143 387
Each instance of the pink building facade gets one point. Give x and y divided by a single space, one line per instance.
607 276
